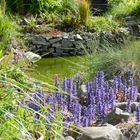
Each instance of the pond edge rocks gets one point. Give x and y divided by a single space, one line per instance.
70 44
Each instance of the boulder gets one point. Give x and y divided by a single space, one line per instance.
108 132
116 116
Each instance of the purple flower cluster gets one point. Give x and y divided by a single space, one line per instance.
100 99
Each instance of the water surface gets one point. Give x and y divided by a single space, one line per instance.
47 68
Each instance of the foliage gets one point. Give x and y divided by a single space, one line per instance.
115 61
102 23
84 10
41 6
124 7
8 31
17 120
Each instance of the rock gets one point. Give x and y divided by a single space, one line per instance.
108 132
78 37
131 133
67 43
32 57
69 138
122 106
55 40
138 133
132 24
116 116
39 40
65 35
56 45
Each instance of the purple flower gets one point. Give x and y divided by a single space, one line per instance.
112 99
119 81
64 84
101 78
56 83
115 84
79 109
74 90
85 121
95 85
106 86
91 113
34 106
124 89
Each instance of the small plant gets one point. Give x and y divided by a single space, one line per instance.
31 22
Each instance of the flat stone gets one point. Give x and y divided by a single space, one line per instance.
56 45
38 40
52 41
67 43
108 132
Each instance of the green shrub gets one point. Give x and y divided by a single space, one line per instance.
102 23
39 6
124 7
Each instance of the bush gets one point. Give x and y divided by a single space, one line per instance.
124 7
102 23
39 6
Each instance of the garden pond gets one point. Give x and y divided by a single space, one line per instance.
47 68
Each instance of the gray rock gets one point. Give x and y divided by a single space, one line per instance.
39 40
78 37
69 138
116 116
56 45
122 106
138 133
67 43
66 35
101 133
58 39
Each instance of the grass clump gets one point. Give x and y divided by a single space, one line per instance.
84 10
116 61
8 31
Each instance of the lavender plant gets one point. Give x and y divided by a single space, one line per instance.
100 99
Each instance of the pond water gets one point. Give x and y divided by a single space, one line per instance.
47 68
